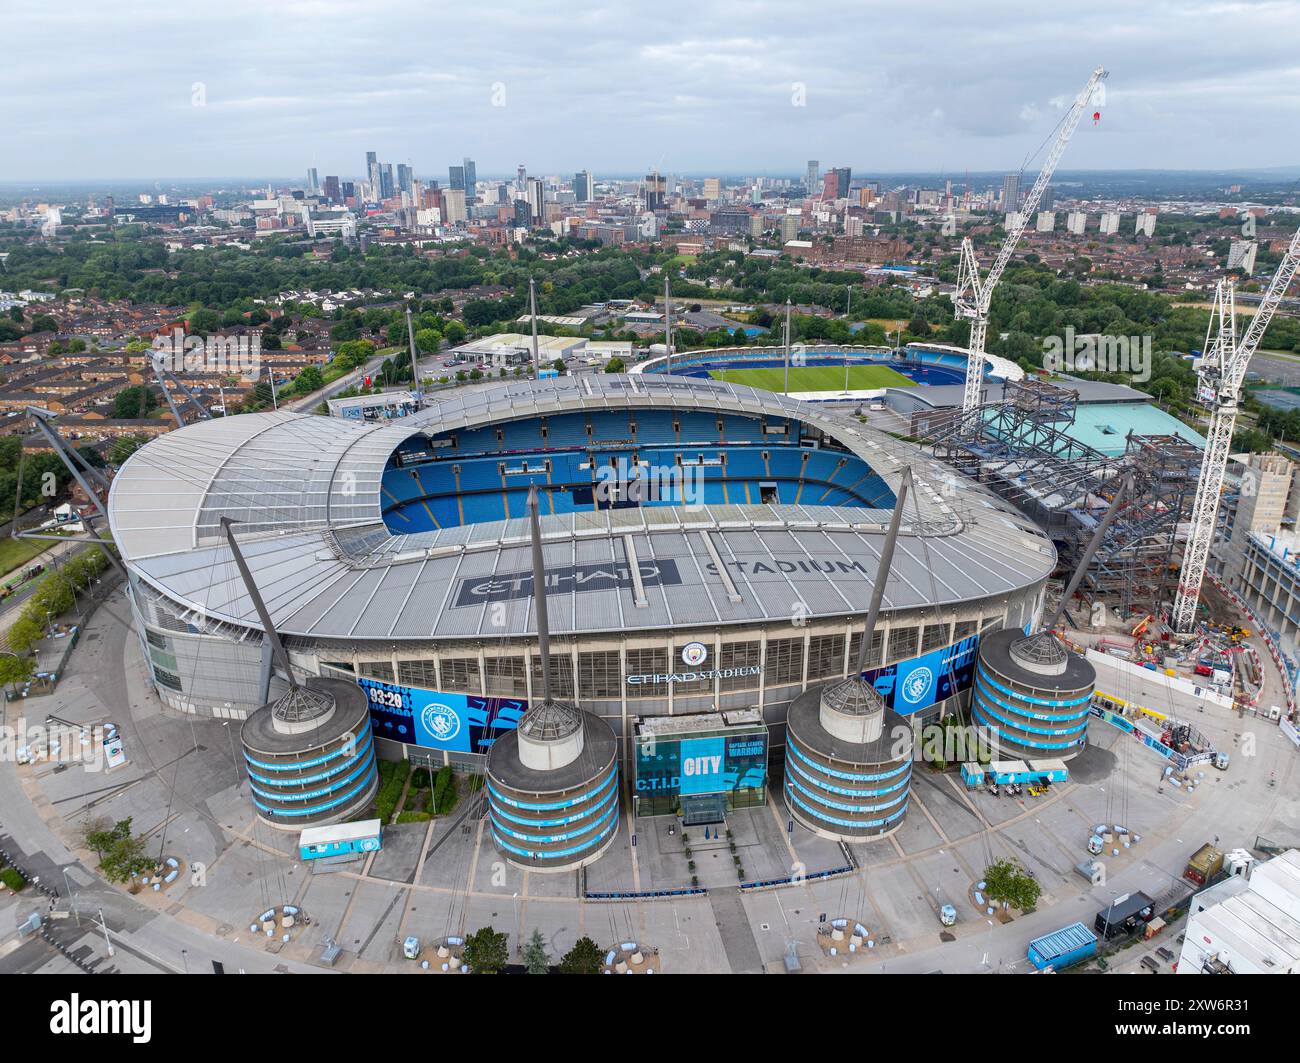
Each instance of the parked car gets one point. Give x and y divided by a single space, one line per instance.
993 787
1150 963
1165 954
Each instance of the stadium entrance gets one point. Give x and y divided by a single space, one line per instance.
700 767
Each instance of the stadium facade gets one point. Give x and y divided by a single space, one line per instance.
709 548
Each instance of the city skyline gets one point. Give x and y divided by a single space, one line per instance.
690 92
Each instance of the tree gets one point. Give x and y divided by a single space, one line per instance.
584 958
353 353
26 632
615 365
1006 881
486 951
134 403
124 446
535 958
121 854
309 380
15 670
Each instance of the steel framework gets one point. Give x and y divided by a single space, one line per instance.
1021 449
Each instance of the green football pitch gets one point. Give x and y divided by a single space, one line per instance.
816 378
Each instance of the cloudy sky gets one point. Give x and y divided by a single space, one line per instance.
239 88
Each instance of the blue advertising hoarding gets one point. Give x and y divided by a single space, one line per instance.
915 685
719 763
461 723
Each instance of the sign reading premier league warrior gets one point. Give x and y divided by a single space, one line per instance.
461 723
911 686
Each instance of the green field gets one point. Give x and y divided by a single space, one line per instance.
816 378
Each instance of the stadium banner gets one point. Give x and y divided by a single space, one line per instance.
709 765
461 723
913 686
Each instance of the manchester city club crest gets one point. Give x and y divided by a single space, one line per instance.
917 685
440 722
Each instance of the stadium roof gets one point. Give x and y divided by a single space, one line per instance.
306 493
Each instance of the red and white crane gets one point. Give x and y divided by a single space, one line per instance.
975 293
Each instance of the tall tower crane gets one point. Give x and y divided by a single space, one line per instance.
973 293
1222 371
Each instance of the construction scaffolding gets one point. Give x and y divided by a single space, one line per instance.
1020 449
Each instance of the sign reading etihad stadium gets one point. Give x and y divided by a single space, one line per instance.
651 678
602 576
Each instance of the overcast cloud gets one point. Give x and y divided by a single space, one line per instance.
156 90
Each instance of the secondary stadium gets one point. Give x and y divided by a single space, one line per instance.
710 551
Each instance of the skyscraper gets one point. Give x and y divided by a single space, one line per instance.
584 188
1011 192
835 185
332 190
813 173
313 182
656 191
456 177
387 186
536 198
405 178
471 180
372 172
453 206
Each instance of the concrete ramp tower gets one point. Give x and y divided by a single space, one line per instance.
848 764
552 783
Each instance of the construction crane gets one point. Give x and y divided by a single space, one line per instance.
1222 370
973 293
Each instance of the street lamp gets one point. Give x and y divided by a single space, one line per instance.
72 897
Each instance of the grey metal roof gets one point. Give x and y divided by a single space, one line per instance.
943 396
307 491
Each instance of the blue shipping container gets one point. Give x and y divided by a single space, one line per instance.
1062 948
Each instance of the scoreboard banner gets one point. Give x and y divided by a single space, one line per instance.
461 723
911 686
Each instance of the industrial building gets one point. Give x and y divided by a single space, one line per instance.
1247 925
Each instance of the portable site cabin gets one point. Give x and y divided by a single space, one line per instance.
1124 913
340 840
972 774
1005 771
1049 770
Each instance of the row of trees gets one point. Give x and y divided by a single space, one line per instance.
487 951
54 595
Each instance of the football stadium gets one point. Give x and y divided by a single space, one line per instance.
709 554
821 367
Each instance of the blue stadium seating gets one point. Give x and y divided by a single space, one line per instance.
482 478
